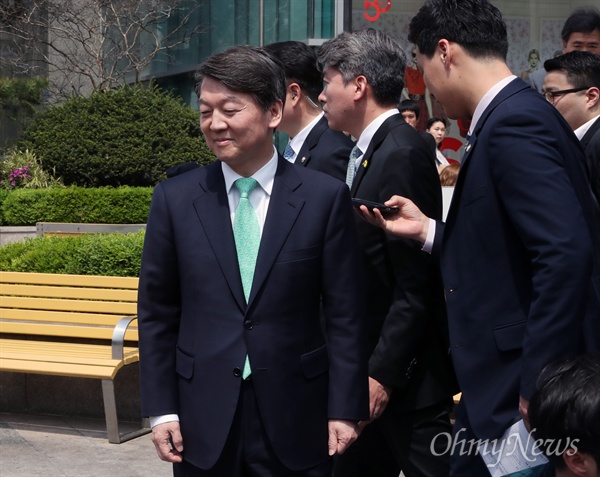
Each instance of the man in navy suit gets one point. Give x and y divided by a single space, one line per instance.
517 250
313 144
237 376
572 85
410 375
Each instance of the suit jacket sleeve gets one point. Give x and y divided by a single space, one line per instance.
542 205
410 172
159 311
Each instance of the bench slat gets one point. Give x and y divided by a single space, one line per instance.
90 332
69 292
56 304
99 319
58 369
130 283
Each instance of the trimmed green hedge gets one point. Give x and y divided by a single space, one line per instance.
87 254
126 136
105 205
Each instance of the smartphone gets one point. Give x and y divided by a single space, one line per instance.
384 209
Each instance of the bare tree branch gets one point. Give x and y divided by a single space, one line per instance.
85 45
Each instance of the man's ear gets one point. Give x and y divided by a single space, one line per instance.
275 114
360 86
444 52
580 463
593 98
294 92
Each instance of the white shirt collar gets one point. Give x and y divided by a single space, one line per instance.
298 140
264 176
581 130
367 135
487 99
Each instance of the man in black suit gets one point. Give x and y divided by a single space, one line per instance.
312 143
572 85
409 109
517 250
239 259
410 377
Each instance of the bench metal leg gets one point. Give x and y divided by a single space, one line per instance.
112 420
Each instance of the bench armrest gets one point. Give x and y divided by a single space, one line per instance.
118 337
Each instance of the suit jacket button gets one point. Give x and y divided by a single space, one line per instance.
248 324
237 372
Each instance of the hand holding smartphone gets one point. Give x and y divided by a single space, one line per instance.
384 209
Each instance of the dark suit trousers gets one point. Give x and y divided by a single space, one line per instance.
247 452
400 442
463 463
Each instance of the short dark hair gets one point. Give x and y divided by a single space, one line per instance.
246 69
581 67
476 25
582 20
409 105
372 54
432 121
566 406
301 66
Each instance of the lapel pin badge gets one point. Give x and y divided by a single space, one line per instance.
365 163
303 160
468 147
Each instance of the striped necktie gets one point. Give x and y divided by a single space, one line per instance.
351 171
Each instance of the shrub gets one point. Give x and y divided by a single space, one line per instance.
127 136
106 205
88 254
23 169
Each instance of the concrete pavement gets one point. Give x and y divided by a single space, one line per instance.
57 446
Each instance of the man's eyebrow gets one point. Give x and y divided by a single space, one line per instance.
230 97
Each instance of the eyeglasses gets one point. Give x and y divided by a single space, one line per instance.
551 95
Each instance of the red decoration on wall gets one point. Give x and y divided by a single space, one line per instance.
378 9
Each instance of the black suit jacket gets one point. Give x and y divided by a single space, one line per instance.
196 328
405 302
326 150
591 144
517 255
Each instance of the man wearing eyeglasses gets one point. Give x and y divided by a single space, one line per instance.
581 32
572 85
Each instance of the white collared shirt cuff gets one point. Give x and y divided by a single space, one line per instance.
428 245
156 420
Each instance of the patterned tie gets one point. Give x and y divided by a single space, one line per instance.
351 171
289 153
246 232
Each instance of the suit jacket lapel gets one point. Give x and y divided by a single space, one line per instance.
510 89
212 208
284 207
389 124
304 154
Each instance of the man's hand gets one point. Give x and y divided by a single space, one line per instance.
524 411
408 222
379 396
341 435
168 441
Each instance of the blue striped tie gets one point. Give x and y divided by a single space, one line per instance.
351 171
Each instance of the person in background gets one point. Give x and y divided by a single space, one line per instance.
518 251
436 127
449 174
534 63
410 110
312 143
241 260
410 378
572 85
564 413
581 31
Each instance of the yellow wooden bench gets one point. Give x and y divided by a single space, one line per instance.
71 325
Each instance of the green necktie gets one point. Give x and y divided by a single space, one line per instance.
246 232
